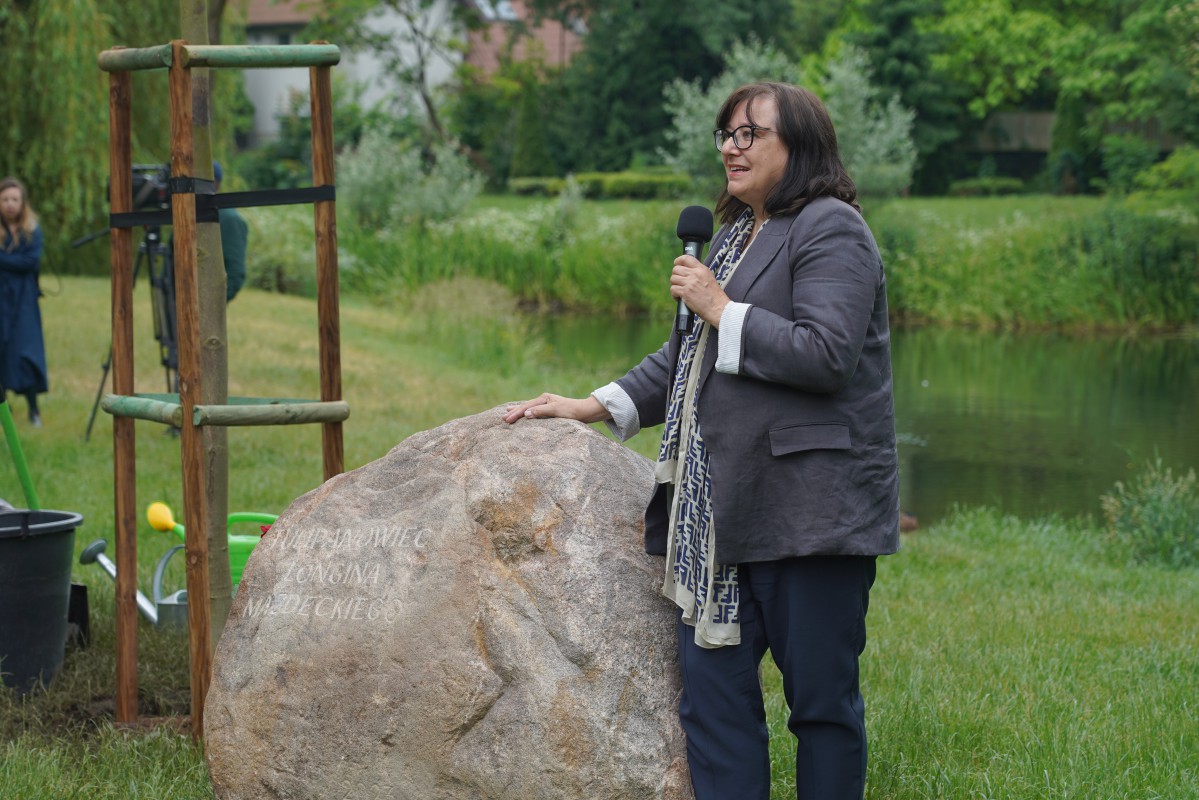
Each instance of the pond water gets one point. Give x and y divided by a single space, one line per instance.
1031 424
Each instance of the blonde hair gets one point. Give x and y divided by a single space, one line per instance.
26 222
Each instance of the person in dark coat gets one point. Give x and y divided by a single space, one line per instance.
234 235
22 348
777 473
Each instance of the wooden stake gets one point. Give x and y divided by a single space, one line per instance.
325 221
183 205
124 450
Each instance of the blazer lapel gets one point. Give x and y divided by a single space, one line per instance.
758 257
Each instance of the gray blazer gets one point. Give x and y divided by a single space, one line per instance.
802 439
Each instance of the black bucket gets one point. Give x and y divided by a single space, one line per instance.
36 550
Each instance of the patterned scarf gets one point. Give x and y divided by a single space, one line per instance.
706 592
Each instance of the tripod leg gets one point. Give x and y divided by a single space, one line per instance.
91 420
162 286
87 436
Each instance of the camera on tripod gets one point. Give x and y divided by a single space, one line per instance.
151 192
151 184
151 187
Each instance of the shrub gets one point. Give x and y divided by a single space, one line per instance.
388 181
1180 171
1124 157
874 132
644 186
535 187
556 252
629 185
281 252
1035 261
1147 264
693 107
986 187
483 111
1156 517
591 184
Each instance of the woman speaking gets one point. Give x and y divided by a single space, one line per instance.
777 472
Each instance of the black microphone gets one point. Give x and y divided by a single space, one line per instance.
694 228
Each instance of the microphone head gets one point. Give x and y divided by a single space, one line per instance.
695 224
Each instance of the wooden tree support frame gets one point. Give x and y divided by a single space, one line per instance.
239 411
185 410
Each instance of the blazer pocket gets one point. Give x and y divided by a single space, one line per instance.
813 436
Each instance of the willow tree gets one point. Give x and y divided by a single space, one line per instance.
54 130
54 99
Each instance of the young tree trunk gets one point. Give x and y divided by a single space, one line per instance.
216 9
214 346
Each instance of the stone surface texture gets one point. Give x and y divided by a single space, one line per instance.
470 616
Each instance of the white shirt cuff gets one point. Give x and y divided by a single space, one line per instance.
625 422
728 355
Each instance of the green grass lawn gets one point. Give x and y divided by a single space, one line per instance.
1006 659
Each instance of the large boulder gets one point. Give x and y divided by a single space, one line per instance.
470 616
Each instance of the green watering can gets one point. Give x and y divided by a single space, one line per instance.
240 545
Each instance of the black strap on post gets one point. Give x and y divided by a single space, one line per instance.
186 185
208 204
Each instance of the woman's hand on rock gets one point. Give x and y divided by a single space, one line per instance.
584 409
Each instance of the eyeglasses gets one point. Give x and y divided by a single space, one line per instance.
743 137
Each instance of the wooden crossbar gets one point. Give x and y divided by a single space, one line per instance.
146 408
166 408
261 56
135 59
278 413
245 56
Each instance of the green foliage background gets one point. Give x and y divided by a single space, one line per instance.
1097 63
54 125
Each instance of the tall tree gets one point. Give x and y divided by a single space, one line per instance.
1001 53
426 34
901 45
55 130
1135 65
611 96
815 20
530 152
54 113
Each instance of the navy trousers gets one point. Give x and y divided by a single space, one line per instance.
810 613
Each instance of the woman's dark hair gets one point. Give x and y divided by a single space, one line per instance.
814 167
